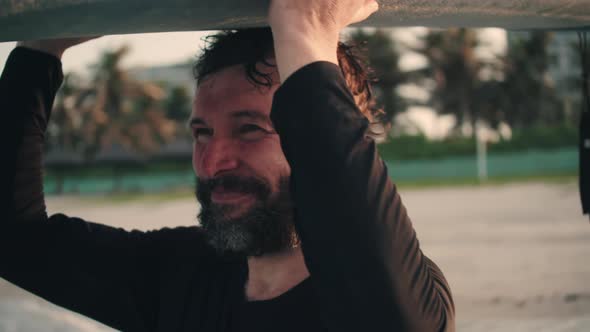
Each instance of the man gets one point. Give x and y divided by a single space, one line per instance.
302 230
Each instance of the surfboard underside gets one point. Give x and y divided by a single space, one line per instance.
33 19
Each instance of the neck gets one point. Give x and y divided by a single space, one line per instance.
269 276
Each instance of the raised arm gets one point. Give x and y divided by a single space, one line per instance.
358 241
105 273
30 80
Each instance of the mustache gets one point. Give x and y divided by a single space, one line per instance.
242 184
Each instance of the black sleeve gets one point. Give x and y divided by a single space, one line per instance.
108 274
358 241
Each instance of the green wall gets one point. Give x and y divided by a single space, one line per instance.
533 162
526 163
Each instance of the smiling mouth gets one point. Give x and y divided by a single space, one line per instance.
221 196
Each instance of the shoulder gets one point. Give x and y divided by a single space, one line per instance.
177 241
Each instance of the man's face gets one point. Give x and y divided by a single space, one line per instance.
243 176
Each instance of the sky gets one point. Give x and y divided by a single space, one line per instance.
147 49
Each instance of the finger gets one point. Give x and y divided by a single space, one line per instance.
370 7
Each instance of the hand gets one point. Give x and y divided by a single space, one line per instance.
328 16
306 31
54 47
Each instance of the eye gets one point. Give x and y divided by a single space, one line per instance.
202 135
252 132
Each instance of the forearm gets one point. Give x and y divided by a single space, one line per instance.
106 273
27 89
357 239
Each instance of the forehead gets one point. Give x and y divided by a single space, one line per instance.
229 91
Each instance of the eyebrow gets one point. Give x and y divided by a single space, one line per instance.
254 115
196 121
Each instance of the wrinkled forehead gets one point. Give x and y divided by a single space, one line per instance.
229 90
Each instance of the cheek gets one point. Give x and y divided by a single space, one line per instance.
266 156
196 158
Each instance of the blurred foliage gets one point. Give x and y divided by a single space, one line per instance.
112 109
528 96
538 137
513 88
456 70
177 104
418 147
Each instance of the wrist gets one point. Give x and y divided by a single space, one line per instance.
297 46
55 51
303 31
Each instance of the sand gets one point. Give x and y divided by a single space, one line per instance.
516 256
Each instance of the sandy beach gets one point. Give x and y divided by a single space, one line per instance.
517 256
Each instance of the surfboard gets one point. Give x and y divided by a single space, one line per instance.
31 19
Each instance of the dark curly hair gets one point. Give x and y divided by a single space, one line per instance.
249 47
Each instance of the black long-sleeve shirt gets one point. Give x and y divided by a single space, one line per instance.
367 272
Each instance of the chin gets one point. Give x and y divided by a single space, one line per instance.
236 211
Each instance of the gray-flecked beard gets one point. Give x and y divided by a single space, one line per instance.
266 227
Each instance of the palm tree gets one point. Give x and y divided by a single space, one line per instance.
530 97
119 110
460 87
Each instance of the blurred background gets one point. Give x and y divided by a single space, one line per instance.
480 131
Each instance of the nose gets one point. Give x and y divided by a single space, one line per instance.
218 156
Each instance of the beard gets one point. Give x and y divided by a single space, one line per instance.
265 227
